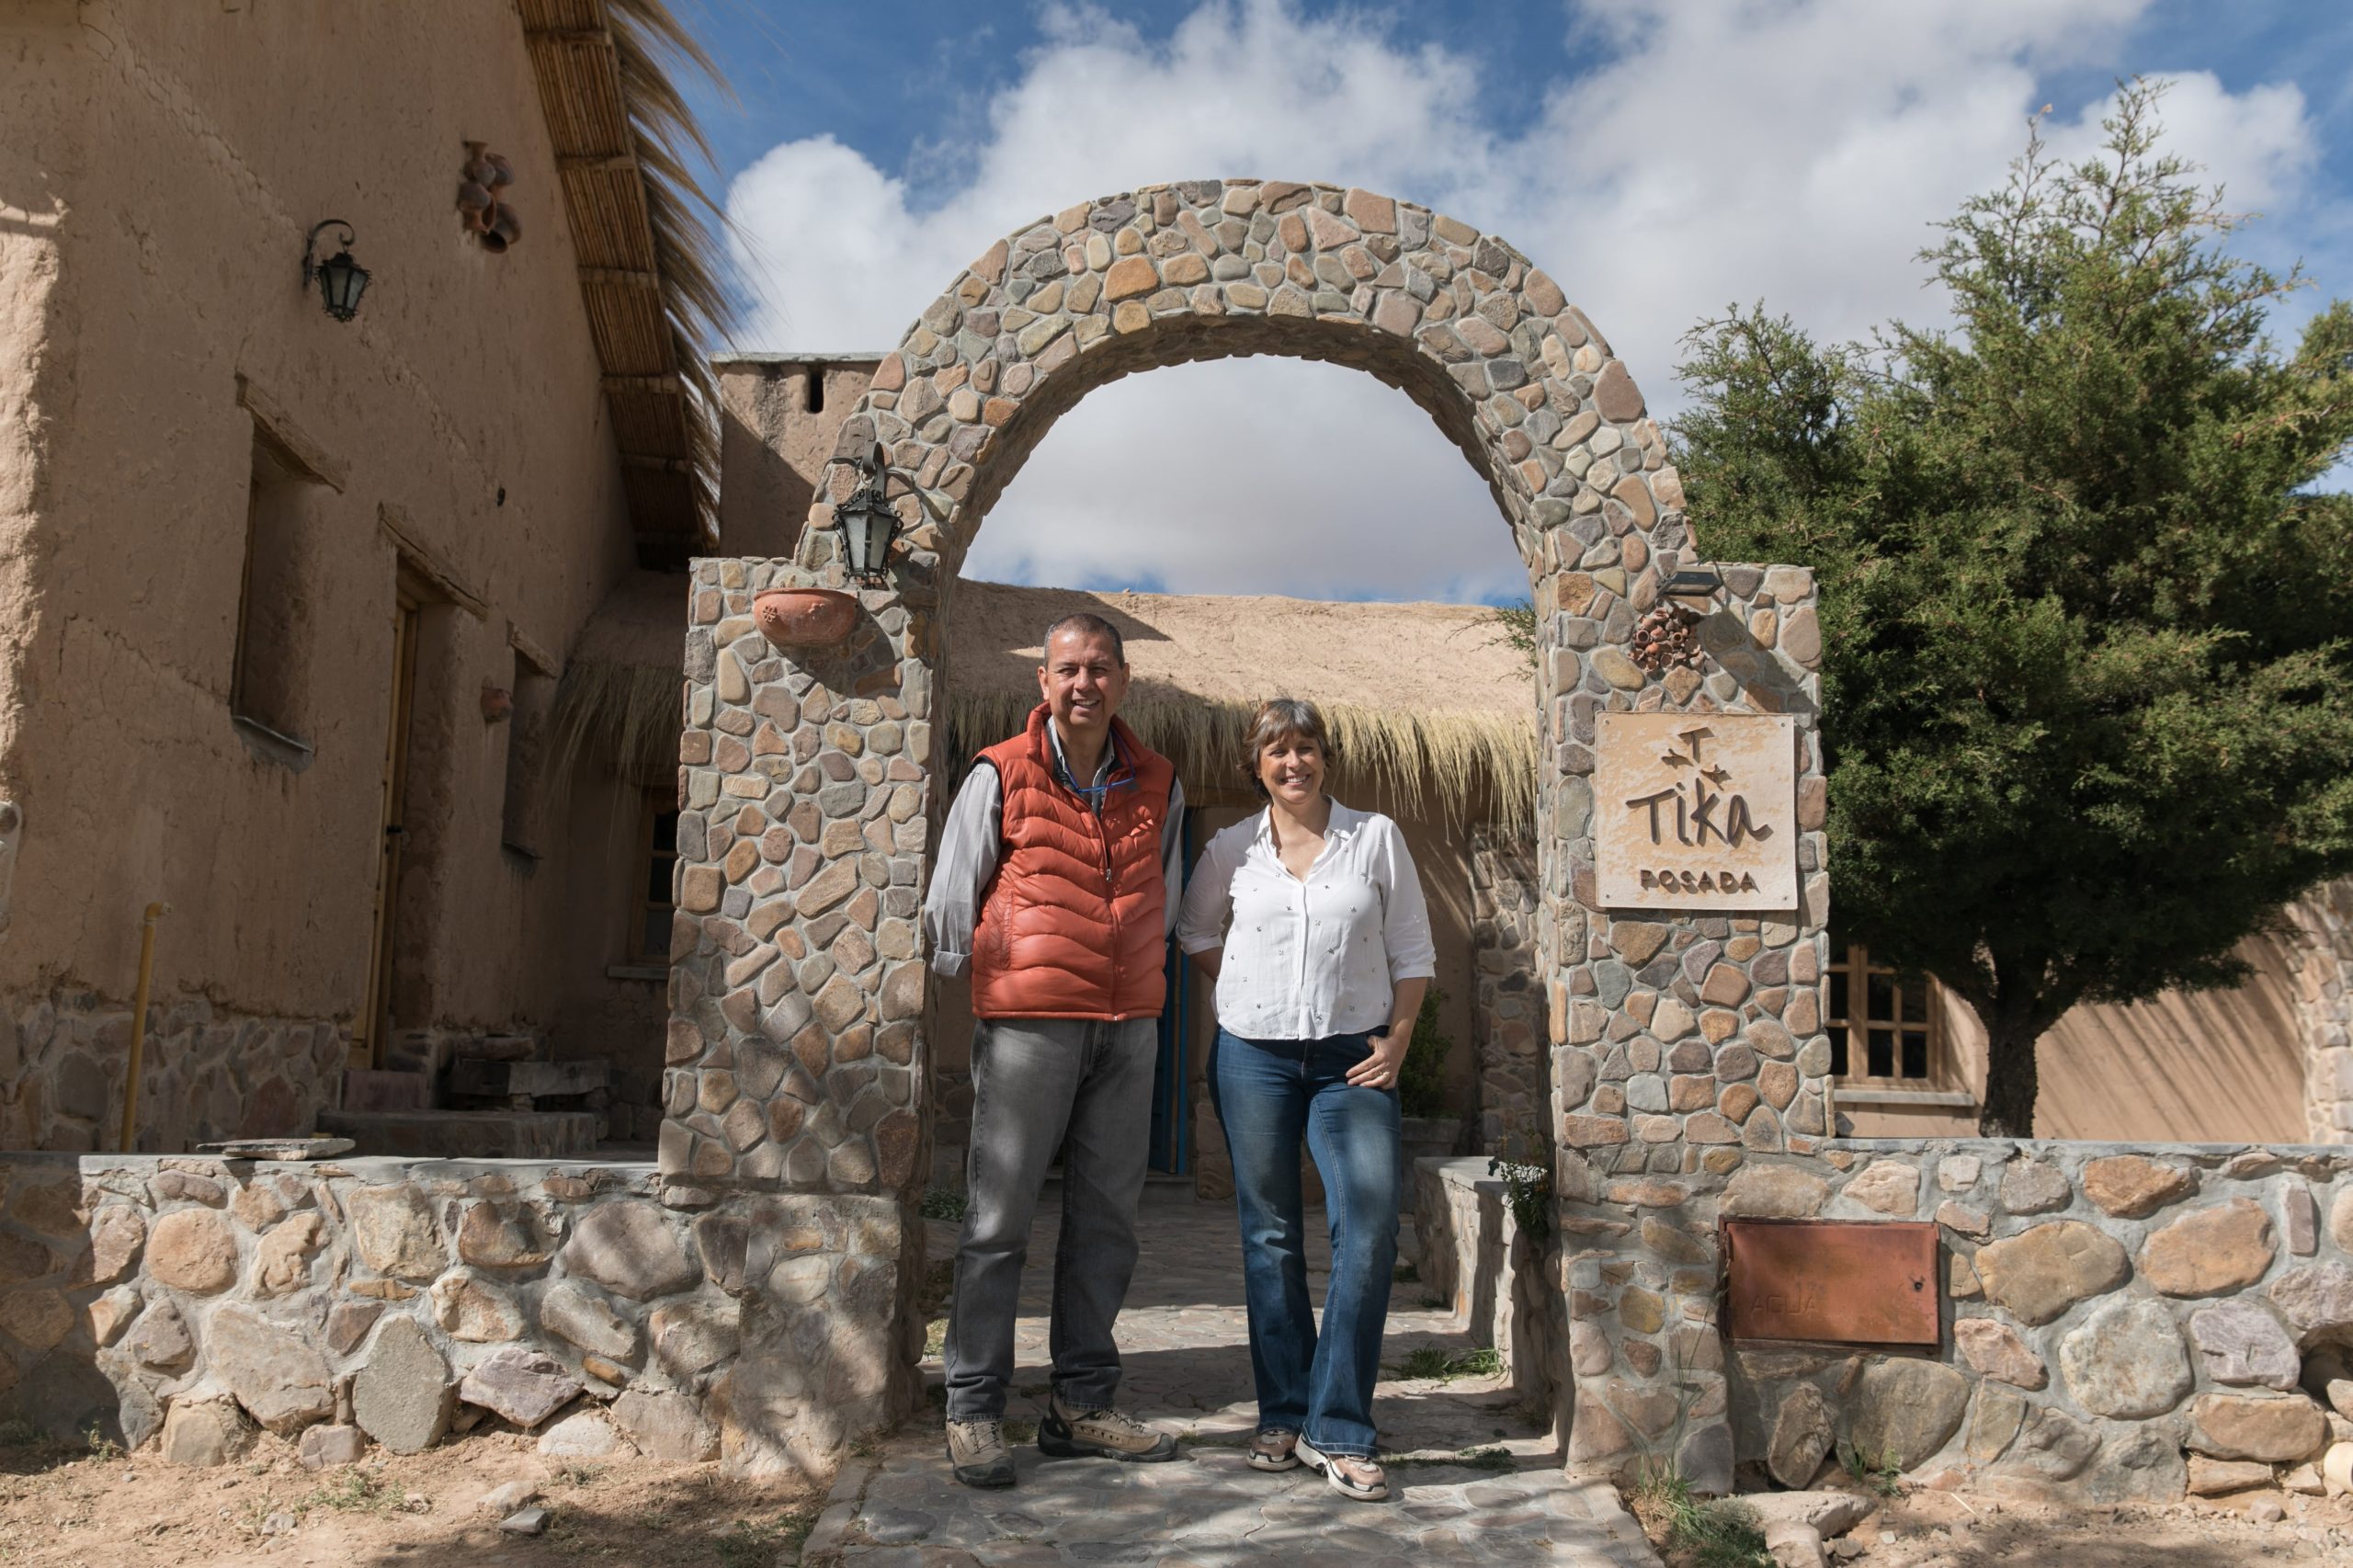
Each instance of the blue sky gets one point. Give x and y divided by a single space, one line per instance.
1660 157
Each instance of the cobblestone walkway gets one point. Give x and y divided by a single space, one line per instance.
1473 1480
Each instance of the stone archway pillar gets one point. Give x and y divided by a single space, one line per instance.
796 1073
2322 954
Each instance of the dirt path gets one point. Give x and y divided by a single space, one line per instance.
59 1509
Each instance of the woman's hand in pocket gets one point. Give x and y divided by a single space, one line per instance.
1378 1070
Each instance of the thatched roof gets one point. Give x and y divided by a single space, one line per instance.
622 688
649 269
1428 702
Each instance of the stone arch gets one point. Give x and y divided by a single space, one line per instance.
1488 345
1676 1044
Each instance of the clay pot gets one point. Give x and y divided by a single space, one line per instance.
803 618
505 228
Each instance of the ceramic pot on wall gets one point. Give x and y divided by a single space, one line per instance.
803 617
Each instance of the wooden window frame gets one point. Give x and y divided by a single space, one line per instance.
643 904
1850 1030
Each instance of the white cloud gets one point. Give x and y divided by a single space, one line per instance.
1692 152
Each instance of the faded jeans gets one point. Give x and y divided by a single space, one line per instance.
1269 1093
1082 1086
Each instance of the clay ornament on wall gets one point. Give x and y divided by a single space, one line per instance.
482 198
497 702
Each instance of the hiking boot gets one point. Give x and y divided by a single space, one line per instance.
1104 1434
977 1455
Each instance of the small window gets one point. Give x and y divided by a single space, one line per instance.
1883 1023
265 687
658 859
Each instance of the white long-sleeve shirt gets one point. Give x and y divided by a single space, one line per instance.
1316 956
973 842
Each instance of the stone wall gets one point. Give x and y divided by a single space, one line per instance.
206 1073
2116 1322
189 1302
1503 1283
2322 925
1506 1013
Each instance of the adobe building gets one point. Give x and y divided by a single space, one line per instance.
286 600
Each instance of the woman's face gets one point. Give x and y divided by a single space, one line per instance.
1291 769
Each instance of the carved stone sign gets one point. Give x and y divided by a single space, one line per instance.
1696 811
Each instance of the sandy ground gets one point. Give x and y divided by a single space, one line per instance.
1956 1529
58 1508
1926 1528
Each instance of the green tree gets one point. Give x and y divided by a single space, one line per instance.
2084 617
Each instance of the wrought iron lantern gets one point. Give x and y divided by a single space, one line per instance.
869 526
341 279
1694 587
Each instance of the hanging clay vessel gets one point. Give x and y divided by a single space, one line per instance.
803 618
488 216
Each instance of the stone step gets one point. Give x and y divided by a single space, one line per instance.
466 1134
480 1075
381 1088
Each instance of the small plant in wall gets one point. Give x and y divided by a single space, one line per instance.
482 198
1519 1162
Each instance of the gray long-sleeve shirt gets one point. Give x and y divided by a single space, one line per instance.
973 842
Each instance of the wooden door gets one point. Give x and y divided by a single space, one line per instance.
368 1049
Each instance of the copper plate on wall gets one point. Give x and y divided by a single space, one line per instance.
1829 1281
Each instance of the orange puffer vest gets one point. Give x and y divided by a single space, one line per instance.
1074 923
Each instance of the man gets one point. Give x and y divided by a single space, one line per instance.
1064 842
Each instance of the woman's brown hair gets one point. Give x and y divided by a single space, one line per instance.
1283 718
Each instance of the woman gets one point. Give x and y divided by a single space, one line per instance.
1310 918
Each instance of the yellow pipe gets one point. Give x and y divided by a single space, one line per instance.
139 1024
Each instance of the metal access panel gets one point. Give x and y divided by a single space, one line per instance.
1832 1283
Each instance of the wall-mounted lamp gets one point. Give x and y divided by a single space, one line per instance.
341 279
869 526
1694 587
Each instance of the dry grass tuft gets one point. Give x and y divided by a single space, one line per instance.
1461 767
627 713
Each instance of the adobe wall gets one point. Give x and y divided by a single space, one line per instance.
400 1303
153 313
778 416
2197 1066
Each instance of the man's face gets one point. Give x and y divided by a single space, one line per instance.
1082 681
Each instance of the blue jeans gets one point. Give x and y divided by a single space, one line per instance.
1269 1093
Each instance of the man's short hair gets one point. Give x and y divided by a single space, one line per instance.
1085 625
